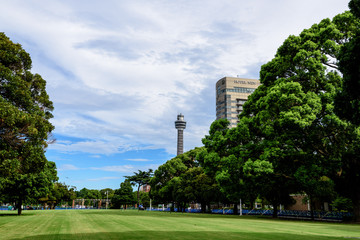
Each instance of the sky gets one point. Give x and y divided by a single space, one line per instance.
120 71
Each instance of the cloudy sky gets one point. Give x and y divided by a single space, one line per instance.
119 71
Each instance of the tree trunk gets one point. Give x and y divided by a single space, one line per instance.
235 209
19 206
203 207
275 210
138 192
356 203
311 208
252 201
209 207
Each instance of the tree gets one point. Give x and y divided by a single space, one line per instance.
181 180
198 187
58 194
226 151
144 199
289 138
124 195
291 115
165 181
107 193
83 193
25 110
31 187
140 178
347 106
89 194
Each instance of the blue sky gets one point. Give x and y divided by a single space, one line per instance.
119 71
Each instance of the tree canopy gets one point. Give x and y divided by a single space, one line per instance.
292 113
140 178
347 106
181 180
124 195
290 138
25 110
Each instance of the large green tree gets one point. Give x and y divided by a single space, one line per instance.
289 138
124 195
25 110
347 106
291 115
181 180
196 186
140 178
165 184
223 158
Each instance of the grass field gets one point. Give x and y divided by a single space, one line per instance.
133 224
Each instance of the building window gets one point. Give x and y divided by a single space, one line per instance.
239 90
240 101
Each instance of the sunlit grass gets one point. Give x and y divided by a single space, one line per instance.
133 224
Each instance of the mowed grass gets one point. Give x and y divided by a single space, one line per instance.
133 224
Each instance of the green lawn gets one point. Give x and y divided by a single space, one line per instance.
132 224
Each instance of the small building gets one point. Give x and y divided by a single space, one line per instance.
145 188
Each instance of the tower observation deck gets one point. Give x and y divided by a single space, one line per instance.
180 125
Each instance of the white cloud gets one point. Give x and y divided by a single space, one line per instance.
102 179
67 167
122 169
119 73
138 160
93 147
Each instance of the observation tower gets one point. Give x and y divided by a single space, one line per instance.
180 125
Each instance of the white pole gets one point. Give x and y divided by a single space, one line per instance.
163 208
107 194
150 204
240 208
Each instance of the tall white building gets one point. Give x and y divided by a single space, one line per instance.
231 94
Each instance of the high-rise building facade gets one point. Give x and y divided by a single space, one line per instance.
231 94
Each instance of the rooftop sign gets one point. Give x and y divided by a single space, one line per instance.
244 82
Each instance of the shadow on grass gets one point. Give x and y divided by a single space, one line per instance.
14 214
152 235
